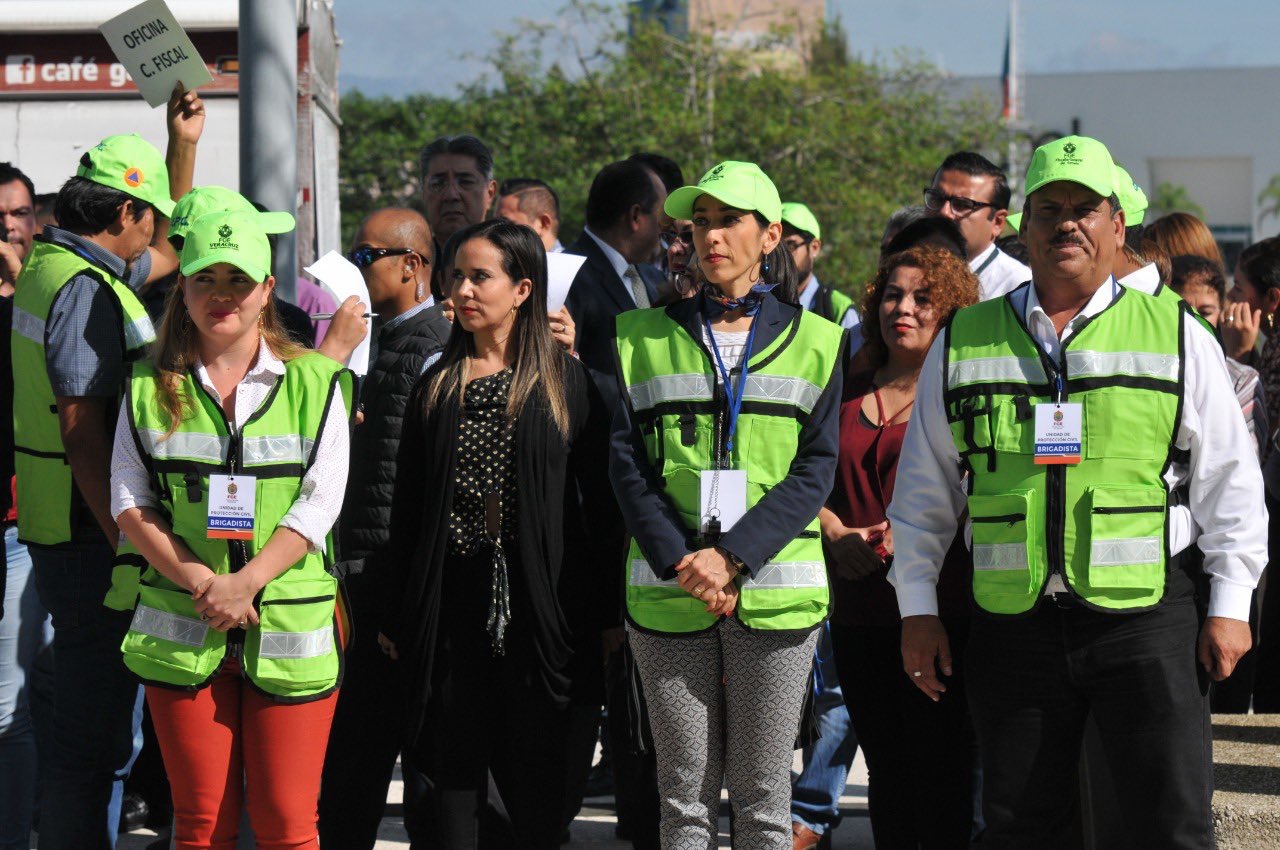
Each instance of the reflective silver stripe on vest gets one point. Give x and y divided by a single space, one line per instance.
296 644
990 369
286 448
206 448
175 628
1125 551
789 574
1084 364
139 332
664 388
778 389
999 556
783 390
28 325
785 574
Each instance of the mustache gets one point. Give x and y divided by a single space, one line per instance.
1065 239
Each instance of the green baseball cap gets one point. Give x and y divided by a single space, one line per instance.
227 237
1012 224
1078 159
801 218
738 184
203 200
132 165
1132 199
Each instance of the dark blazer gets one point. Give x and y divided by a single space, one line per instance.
776 519
564 584
595 298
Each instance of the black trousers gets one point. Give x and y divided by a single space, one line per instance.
490 716
919 753
365 741
1034 680
635 764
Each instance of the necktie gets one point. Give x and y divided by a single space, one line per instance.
637 287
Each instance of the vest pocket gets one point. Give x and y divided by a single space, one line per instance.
1004 562
293 649
168 642
1126 537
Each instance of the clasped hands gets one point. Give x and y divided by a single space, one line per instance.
225 600
707 575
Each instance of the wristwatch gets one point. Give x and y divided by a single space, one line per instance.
739 565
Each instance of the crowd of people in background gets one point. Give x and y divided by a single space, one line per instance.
991 516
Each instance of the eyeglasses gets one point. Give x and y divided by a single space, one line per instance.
670 237
935 200
365 256
464 182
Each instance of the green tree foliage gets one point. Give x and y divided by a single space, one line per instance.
853 140
1174 197
1269 200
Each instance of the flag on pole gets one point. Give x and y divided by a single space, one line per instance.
1007 84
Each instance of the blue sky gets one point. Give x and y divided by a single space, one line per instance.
397 47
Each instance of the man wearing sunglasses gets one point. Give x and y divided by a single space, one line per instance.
972 191
393 252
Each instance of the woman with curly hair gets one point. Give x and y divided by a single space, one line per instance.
913 295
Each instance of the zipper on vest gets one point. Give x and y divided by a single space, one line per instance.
1056 483
1005 518
1137 509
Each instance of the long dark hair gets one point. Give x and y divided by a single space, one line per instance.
538 358
782 269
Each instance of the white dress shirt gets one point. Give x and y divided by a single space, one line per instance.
1225 514
619 262
320 497
1145 279
998 273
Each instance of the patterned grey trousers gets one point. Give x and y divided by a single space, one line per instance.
724 705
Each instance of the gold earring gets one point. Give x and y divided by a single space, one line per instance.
262 315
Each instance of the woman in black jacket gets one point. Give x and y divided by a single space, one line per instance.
483 604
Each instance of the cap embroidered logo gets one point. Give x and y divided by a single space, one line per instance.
225 231
1069 148
133 177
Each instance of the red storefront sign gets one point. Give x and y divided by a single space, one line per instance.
53 64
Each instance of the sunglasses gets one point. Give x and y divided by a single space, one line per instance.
935 201
364 256
670 238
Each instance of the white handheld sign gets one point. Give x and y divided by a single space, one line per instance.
155 50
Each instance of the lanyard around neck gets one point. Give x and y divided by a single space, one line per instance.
734 398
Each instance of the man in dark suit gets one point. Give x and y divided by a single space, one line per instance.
624 208
621 237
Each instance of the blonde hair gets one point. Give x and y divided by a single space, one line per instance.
1181 233
176 350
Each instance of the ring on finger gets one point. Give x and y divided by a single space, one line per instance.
917 674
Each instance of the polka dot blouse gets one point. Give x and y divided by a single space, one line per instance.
484 464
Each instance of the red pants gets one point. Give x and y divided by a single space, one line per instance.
227 746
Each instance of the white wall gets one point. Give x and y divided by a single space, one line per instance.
45 138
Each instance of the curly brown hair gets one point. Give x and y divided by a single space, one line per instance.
951 286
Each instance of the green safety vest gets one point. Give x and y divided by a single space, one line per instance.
831 304
45 486
1102 523
294 653
676 405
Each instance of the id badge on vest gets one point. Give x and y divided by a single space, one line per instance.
723 501
1059 435
231 506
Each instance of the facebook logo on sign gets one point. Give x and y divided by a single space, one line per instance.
20 70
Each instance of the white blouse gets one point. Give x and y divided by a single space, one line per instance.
319 501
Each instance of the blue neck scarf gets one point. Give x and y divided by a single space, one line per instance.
715 302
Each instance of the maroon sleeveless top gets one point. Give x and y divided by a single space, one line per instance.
865 475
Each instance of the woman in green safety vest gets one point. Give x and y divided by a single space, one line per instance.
723 452
228 471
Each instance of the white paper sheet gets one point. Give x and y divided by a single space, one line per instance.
562 268
155 50
341 279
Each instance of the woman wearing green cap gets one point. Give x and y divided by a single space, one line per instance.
229 466
722 454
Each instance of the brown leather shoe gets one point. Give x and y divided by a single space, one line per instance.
803 838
